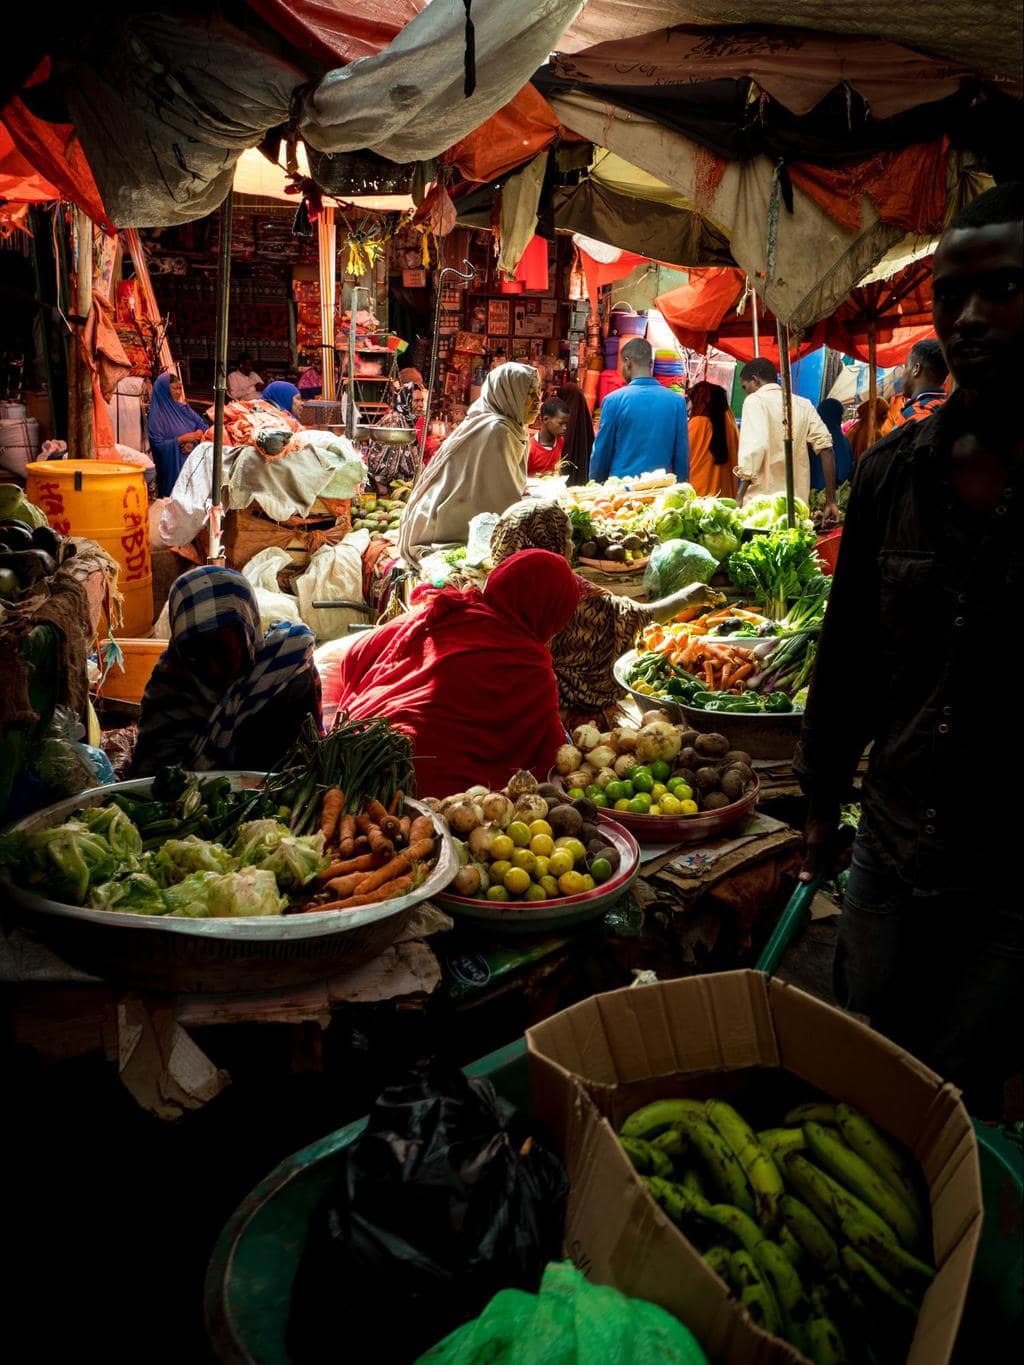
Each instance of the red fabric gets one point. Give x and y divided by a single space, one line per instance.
469 676
515 134
336 32
532 270
908 187
597 274
19 182
543 459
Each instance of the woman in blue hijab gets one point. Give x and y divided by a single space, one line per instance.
174 430
282 395
830 410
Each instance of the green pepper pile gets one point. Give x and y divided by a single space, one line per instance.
742 703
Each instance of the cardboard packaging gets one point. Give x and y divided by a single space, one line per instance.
763 1046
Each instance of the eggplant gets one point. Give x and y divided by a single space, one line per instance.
16 535
46 538
29 566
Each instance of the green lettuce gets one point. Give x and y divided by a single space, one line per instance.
675 565
258 838
177 858
252 892
270 846
116 827
136 894
64 862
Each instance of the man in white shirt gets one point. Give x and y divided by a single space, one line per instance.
244 384
761 463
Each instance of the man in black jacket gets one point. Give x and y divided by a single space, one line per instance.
931 566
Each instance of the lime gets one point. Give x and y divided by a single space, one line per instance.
630 790
540 827
641 779
560 862
598 798
577 794
616 790
519 833
497 893
541 868
654 810
523 858
681 791
660 770
550 886
572 883
535 893
594 791
588 882
542 844
640 804
501 847
687 808
670 805
517 881
499 869
573 847
600 869
623 804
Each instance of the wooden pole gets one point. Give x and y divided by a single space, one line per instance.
782 334
872 384
350 403
81 417
215 552
757 325
327 241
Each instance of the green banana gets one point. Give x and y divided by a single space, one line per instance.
815 1112
888 1257
762 1308
694 1182
829 1200
722 1164
759 1168
671 1142
853 1172
678 1203
787 1287
810 1233
734 1220
822 1342
882 1154
640 1154
745 1273
877 1288
778 1141
718 1260
654 1118
794 1251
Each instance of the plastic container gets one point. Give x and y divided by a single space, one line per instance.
19 441
129 683
106 503
827 547
627 324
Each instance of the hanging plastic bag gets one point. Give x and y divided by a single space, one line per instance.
335 574
262 571
444 1199
481 528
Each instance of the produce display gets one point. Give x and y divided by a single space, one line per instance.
819 1225
30 549
818 503
658 769
526 842
327 831
614 521
376 514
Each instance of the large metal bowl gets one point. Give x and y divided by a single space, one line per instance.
762 736
539 917
155 952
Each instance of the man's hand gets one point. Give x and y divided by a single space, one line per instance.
830 514
827 845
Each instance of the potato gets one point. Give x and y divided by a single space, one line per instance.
688 738
586 737
736 756
707 779
711 746
565 820
689 758
716 801
744 771
733 784
567 759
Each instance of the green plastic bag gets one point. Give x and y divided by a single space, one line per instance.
568 1322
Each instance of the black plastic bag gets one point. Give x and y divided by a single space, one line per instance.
444 1200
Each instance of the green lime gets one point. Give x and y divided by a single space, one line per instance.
594 791
615 791
577 794
623 804
641 779
630 790
600 869
660 770
598 797
640 804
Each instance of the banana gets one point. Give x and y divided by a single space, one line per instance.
762 1308
854 1173
759 1168
654 1118
722 1164
822 1342
778 1141
810 1233
734 1220
890 1259
745 1273
830 1200
694 1182
639 1153
787 1287
678 1203
882 1154
718 1260
815 1112
874 1284
671 1142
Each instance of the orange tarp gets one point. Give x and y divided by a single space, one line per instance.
515 134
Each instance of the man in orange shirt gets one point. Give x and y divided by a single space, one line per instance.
923 383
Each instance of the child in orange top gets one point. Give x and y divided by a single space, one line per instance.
548 442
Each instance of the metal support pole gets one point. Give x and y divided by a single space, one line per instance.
872 385
782 333
220 381
350 402
757 325
465 275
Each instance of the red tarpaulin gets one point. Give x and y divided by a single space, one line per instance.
512 136
336 32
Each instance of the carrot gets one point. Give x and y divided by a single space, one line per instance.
396 803
421 828
744 671
398 887
405 827
375 812
709 675
380 843
726 675
401 863
347 835
366 862
363 823
346 886
330 811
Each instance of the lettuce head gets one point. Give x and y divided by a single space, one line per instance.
177 858
136 894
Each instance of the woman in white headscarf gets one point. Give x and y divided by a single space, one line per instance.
480 468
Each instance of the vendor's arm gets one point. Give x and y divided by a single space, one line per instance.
754 442
820 439
696 595
840 718
604 443
680 463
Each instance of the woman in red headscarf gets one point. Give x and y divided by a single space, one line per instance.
469 676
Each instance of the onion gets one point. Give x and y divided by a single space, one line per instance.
661 740
602 757
623 740
521 785
497 808
431 803
586 737
583 777
529 808
606 738
462 850
624 764
465 817
654 718
450 801
480 842
568 759
467 881
605 776
477 793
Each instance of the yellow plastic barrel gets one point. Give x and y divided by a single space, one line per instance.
106 503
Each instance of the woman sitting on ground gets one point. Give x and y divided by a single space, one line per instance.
714 441
603 627
174 431
282 397
481 467
224 694
468 675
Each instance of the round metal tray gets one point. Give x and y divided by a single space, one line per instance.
762 736
682 829
536 917
156 952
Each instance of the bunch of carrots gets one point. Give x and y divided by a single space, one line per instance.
375 856
721 666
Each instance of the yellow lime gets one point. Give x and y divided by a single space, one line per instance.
525 859
571 883
542 844
560 862
654 810
588 882
535 893
572 846
550 886
670 805
499 869
519 833
622 804
517 881
541 870
497 893
577 794
501 847
687 808
658 791
540 827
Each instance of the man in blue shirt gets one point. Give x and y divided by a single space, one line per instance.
643 426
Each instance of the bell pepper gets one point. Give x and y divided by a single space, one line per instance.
777 702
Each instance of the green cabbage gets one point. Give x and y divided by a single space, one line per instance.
676 565
175 859
251 892
14 506
64 862
295 861
118 830
190 898
136 894
258 838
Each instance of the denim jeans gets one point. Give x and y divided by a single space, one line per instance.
941 975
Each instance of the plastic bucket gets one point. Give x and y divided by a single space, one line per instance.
106 503
627 324
827 548
19 442
129 683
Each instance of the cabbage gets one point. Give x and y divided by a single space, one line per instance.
175 859
721 543
257 838
115 826
190 898
14 506
679 496
136 894
251 892
64 862
295 861
676 565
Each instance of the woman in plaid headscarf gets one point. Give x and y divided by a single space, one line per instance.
224 694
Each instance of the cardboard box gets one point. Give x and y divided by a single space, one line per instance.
757 1043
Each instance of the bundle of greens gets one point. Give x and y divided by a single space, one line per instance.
713 523
775 568
768 512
